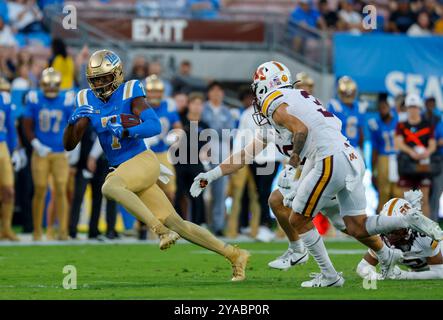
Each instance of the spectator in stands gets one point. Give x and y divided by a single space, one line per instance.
25 16
330 17
63 63
189 207
181 102
7 38
204 9
139 68
402 18
415 141
350 20
155 68
4 11
185 81
81 61
22 81
437 181
44 3
218 117
422 27
306 14
432 113
431 7
304 18
38 64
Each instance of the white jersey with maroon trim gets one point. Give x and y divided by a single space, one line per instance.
324 129
415 252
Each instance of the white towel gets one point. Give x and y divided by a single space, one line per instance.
393 168
165 173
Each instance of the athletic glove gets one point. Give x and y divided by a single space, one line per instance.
114 125
19 159
286 177
41 149
203 179
80 112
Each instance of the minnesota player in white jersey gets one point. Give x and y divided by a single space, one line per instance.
422 255
312 132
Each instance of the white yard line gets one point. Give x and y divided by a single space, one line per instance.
26 241
279 252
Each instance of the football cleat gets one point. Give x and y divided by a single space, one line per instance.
289 259
168 239
239 263
422 224
320 281
387 266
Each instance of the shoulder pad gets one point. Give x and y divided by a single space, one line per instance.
32 97
82 98
6 97
335 105
373 125
69 98
271 102
170 105
362 106
128 89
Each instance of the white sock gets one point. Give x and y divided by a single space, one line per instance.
296 246
316 247
382 224
383 253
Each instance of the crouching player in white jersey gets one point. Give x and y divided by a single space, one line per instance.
422 255
314 133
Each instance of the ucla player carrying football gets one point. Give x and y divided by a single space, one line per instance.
134 168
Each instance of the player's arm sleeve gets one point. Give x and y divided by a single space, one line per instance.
150 126
434 272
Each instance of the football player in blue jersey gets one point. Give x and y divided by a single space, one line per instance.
384 156
349 111
110 107
8 143
167 113
47 112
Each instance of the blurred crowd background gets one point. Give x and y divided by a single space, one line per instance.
382 125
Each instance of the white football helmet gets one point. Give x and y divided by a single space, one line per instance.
397 207
269 76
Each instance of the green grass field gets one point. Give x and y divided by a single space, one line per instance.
141 271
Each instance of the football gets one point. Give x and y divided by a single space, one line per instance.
129 120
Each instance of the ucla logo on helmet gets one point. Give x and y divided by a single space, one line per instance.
112 58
